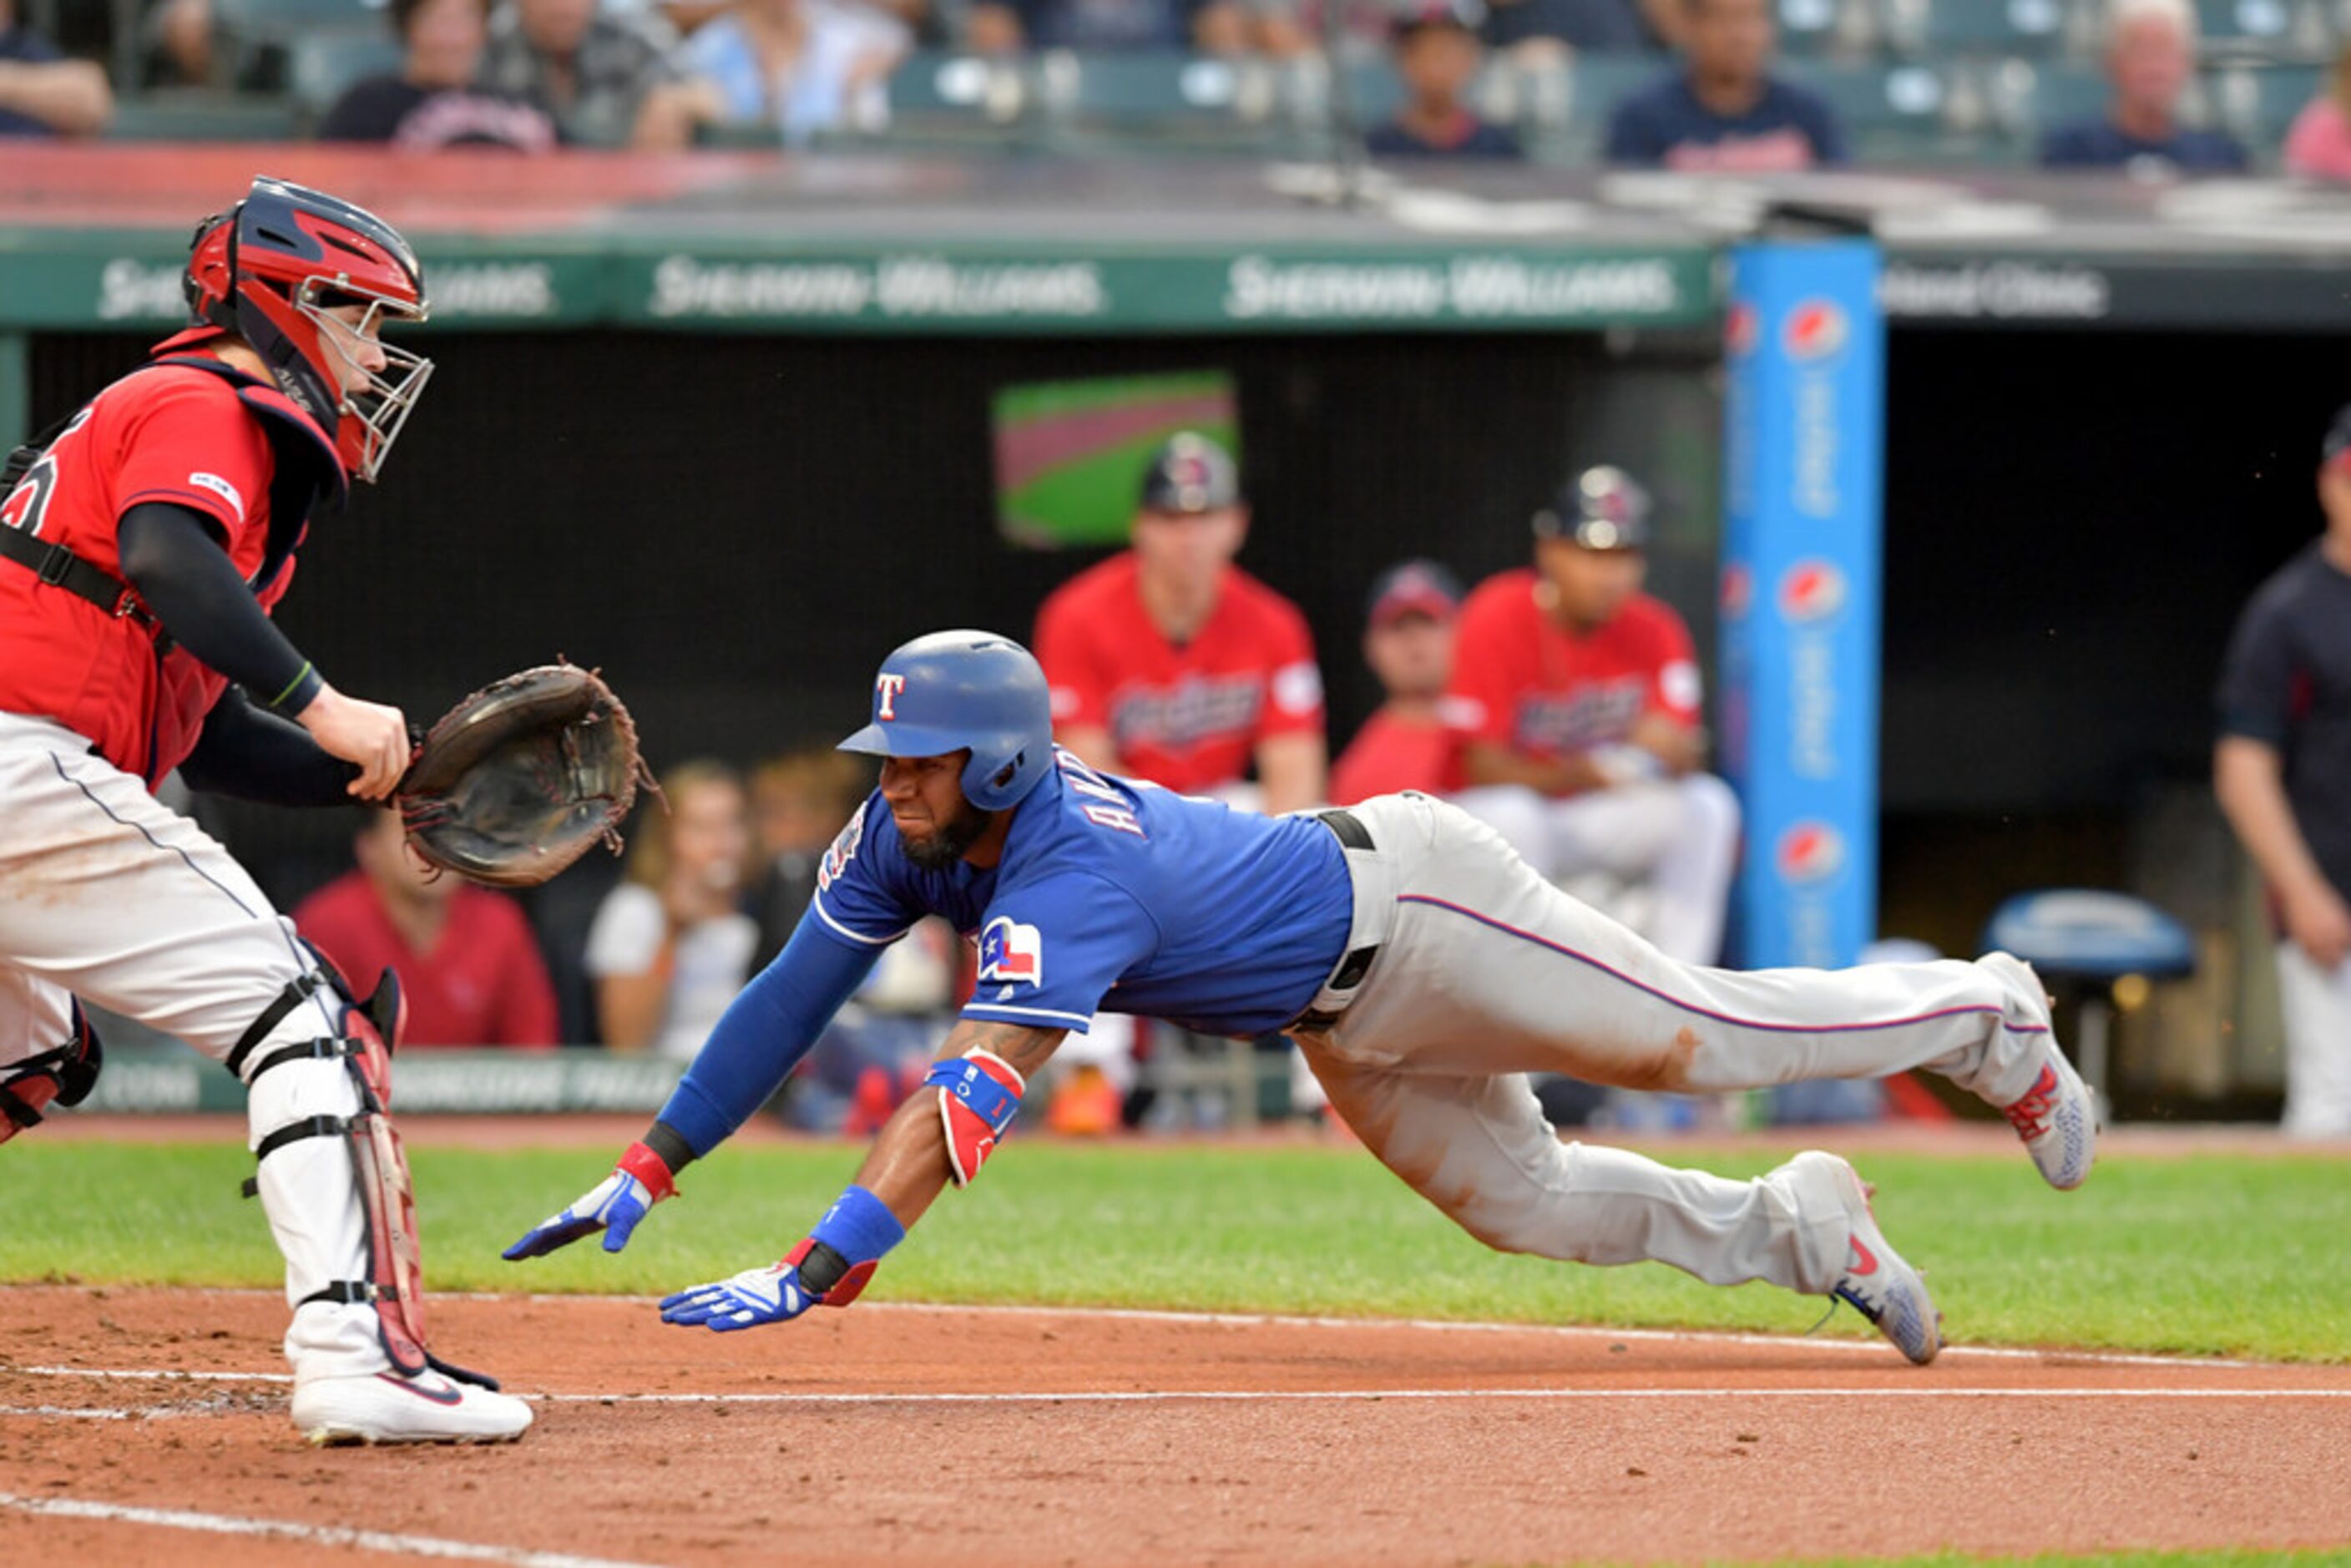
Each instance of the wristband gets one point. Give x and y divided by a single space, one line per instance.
847 1245
649 1168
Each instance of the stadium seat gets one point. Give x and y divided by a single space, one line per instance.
2027 100
2091 948
1825 30
199 114
324 63
2256 103
2264 29
254 40
956 98
1903 113
1970 29
1595 86
1174 101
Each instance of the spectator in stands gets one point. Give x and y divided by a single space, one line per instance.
669 948
432 102
1437 54
2318 147
797 66
1580 703
1408 643
798 802
2150 58
466 960
42 93
1171 663
1725 110
607 79
1007 26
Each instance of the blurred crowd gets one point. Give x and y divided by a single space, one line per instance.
535 76
1559 702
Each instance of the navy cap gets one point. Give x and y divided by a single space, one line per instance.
2337 448
1190 473
1413 588
1599 508
1469 15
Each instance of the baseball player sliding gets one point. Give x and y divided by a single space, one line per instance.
1420 965
146 540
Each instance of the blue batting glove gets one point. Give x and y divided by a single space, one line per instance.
614 1206
770 1295
847 1245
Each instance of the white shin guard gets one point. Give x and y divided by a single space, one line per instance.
311 1192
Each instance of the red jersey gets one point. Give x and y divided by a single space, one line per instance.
1188 717
174 433
1390 754
1526 683
483 984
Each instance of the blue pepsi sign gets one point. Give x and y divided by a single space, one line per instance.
1803 437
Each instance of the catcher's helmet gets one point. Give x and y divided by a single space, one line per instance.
1599 508
950 690
271 267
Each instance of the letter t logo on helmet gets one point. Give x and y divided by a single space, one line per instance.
966 691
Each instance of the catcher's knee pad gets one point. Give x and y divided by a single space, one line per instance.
64 1076
365 1035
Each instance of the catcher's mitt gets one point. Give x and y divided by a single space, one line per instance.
515 782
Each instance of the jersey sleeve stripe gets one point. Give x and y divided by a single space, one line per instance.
1078 1021
817 903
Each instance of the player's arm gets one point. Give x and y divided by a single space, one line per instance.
70 96
1484 761
759 1039
172 554
1678 746
1293 771
257 756
1093 744
941 1134
2249 779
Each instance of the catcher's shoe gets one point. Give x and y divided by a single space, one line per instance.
390 1409
2058 1116
1877 1283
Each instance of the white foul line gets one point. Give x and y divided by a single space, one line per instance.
318 1534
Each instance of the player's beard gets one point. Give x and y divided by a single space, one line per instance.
947 845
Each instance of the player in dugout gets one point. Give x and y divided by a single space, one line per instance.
1421 965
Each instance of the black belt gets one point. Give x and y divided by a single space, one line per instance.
1351 832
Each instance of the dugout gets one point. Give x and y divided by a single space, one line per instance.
723 427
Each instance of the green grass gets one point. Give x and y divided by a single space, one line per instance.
2208 1255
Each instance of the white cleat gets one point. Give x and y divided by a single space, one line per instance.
390 1409
1877 1281
2058 1116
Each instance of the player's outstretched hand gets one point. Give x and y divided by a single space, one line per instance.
368 734
770 1295
614 1206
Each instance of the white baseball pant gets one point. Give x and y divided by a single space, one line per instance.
1678 838
107 896
2317 1007
1486 972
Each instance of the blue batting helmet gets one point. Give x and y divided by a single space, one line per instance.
950 690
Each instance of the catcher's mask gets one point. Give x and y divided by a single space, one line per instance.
950 690
273 268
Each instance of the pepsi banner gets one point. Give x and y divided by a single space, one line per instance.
1803 436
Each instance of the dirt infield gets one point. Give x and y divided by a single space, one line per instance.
1011 1435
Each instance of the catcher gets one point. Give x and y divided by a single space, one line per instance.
147 539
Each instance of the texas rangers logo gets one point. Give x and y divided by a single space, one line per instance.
1011 952
844 850
1814 330
1809 851
1811 589
886 687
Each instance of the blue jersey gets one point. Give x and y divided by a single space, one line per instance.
1114 895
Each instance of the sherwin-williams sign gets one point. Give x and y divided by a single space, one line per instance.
1803 526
